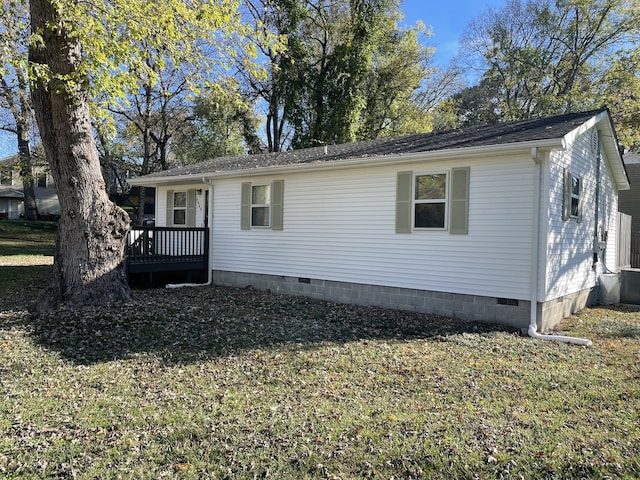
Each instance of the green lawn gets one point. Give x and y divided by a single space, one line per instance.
237 383
22 238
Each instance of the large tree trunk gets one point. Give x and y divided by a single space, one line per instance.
88 265
26 173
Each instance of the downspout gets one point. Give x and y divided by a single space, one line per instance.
210 269
537 216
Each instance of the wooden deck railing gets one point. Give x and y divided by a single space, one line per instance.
164 249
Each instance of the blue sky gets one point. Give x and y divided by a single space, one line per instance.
447 19
7 146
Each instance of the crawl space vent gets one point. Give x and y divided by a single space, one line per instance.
507 301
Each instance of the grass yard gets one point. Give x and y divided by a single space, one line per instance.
235 383
26 243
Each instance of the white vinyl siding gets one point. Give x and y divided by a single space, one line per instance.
341 226
609 218
570 244
199 206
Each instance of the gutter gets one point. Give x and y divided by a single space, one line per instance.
532 331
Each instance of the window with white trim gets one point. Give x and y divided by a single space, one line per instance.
572 198
430 201
576 187
180 208
260 205
437 201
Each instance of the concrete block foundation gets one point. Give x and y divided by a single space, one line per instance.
511 312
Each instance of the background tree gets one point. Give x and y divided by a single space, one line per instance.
14 92
337 43
84 47
282 19
394 102
543 57
153 114
349 72
221 123
621 93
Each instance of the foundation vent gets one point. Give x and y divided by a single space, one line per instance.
507 301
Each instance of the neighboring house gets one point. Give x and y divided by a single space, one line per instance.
10 198
512 222
127 197
44 187
630 204
10 202
12 206
630 199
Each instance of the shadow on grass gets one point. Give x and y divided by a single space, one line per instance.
189 325
22 286
20 237
10 247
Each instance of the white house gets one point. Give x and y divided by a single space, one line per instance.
11 201
512 222
12 205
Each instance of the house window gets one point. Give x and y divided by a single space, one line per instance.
42 180
572 198
179 208
438 201
430 201
576 186
260 205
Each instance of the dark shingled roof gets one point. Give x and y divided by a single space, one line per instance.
485 135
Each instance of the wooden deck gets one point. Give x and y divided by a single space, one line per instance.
166 249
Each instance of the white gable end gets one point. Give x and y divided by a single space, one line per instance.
570 244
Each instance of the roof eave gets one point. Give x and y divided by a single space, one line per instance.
383 160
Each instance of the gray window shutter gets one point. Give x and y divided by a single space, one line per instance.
169 208
459 201
403 202
191 208
277 197
566 197
245 206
